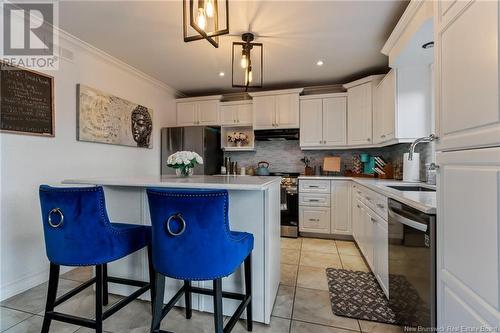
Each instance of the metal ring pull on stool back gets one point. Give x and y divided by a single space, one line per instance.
58 211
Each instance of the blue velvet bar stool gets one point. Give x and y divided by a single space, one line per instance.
78 233
192 242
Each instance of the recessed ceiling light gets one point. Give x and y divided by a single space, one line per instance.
221 74
319 63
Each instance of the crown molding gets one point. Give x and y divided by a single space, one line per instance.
114 61
400 27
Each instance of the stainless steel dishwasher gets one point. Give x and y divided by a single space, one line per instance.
412 265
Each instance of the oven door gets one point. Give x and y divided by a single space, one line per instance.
412 265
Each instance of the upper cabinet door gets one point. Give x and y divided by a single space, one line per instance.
335 121
359 114
244 114
467 75
287 111
208 113
228 114
311 122
384 111
187 114
264 112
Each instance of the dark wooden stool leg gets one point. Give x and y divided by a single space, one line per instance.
51 296
158 302
248 290
218 317
152 280
187 297
99 274
105 298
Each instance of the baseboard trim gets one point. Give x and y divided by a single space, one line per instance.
26 282
325 236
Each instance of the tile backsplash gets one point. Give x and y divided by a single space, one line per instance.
285 155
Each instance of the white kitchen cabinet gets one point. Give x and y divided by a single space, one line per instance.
198 111
208 113
323 121
236 113
340 207
384 112
276 109
334 121
264 112
187 114
468 221
311 123
314 219
360 102
467 86
381 252
355 218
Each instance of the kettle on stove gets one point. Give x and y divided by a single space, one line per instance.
262 169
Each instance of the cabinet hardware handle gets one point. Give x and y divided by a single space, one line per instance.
313 186
382 136
373 220
320 142
368 198
313 200
314 220
368 139
358 206
380 206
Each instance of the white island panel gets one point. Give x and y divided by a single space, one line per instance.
254 206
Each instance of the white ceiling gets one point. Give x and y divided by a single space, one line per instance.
346 35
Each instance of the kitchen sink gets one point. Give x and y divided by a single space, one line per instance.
412 188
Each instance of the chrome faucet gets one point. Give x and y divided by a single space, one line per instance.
429 138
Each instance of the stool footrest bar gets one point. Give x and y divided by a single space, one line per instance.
210 292
127 282
70 319
237 314
172 302
75 291
123 302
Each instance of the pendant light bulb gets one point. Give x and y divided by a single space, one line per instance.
201 19
209 8
244 60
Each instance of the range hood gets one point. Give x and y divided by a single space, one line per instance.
277 134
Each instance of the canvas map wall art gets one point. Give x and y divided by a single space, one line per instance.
109 119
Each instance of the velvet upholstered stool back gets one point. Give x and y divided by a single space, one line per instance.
191 236
77 229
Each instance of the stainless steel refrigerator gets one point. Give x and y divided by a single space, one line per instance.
202 140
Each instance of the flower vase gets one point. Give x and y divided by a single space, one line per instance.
238 144
184 172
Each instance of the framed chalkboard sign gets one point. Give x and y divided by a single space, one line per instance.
26 101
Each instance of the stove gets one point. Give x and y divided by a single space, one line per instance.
289 203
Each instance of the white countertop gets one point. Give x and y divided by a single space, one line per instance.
213 182
423 201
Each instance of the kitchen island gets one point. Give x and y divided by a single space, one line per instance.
254 207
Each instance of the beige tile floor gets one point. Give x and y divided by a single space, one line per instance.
302 304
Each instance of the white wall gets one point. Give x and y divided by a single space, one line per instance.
28 161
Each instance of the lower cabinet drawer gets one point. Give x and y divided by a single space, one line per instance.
314 199
317 186
314 219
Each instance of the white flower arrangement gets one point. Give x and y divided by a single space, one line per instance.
184 160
